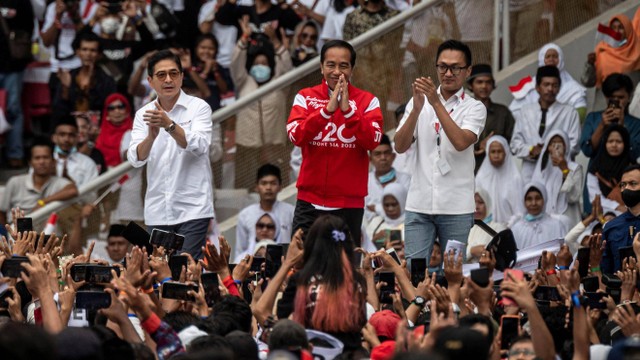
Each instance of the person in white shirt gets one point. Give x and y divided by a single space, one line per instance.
478 237
383 174
335 18
172 135
444 127
535 121
268 185
70 163
536 226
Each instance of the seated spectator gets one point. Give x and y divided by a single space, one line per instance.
305 44
501 179
382 175
38 188
225 35
617 89
536 226
266 233
268 185
192 84
393 200
607 166
478 237
262 14
71 164
571 92
435 260
85 88
334 21
620 57
206 66
87 136
562 177
260 126
116 121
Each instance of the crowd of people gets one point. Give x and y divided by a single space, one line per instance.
430 241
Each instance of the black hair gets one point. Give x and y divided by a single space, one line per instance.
142 352
547 71
201 38
163 55
209 345
631 168
179 320
86 36
615 82
384 140
237 308
472 319
221 324
532 188
339 5
269 169
338 44
261 47
286 334
66 120
26 342
458 46
41 142
243 345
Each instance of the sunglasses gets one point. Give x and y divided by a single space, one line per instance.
173 74
114 107
309 36
263 225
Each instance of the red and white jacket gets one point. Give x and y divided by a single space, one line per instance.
335 162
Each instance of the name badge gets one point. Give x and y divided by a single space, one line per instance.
443 166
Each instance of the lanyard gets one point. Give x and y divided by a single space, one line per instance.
437 124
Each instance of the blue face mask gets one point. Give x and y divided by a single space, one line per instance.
59 151
387 177
260 73
531 218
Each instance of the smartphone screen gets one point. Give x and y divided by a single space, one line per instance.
273 260
210 284
12 267
395 235
583 259
547 293
166 239
176 262
137 236
24 224
178 291
591 283
593 300
92 300
510 325
418 268
256 265
626 252
23 292
480 276
386 290
394 255
93 273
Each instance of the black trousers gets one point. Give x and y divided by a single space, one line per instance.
305 214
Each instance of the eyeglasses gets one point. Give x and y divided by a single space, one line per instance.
517 352
114 107
309 36
173 74
624 184
263 225
455 70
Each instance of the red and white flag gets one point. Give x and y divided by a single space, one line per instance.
523 87
113 188
609 36
51 224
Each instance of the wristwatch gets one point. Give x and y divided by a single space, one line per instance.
171 128
419 301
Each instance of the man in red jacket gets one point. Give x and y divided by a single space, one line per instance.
334 124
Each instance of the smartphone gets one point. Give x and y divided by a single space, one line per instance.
547 293
23 292
357 259
626 252
45 240
510 325
591 283
440 280
395 235
176 262
12 267
210 284
256 265
93 273
394 254
480 276
24 224
517 275
273 260
92 300
386 290
613 103
583 259
137 236
593 300
231 267
166 239
418 269
178 291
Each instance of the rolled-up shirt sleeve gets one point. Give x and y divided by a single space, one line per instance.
198 135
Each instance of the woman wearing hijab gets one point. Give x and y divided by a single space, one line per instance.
571 92
394 197
536 226
116 121
502 181
561 177
478 238
267 231
607 167
620 57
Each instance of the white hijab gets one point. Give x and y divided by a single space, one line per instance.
551 176
504 184
399 192
571 92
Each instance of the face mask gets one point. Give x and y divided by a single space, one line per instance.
631 198
531 218
59 151
387 177
110 25
261 73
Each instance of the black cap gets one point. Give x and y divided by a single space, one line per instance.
116 230
480 69
547 71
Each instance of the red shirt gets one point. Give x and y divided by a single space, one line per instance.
335 162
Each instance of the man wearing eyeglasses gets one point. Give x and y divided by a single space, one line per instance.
623 230
444 123
171 135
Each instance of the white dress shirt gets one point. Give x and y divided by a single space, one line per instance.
179 185
431 192
375 189
80 167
